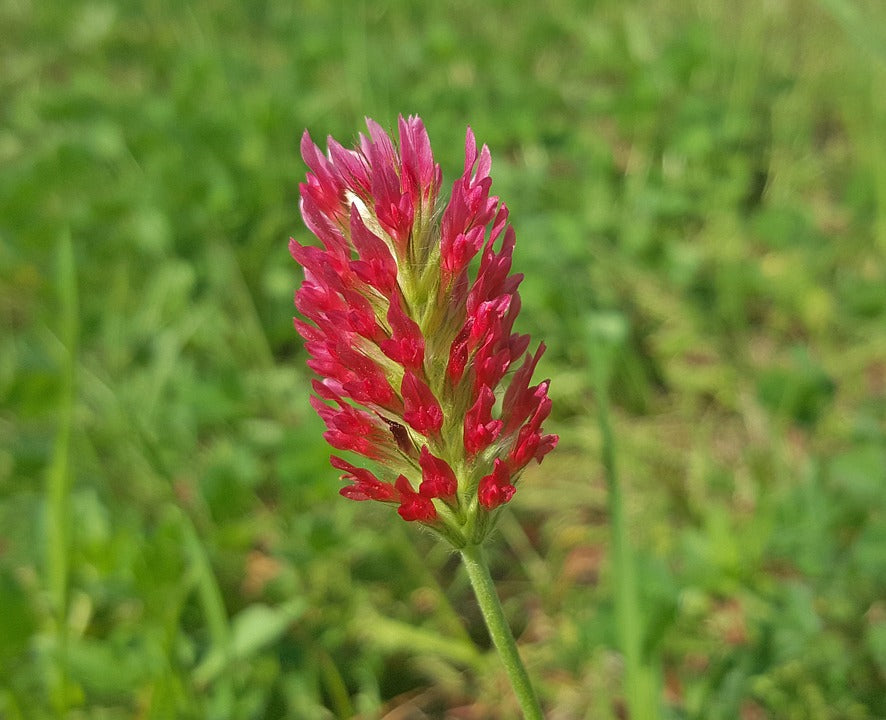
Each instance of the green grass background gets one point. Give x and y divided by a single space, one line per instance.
706 179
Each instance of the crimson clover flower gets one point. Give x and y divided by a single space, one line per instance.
418 367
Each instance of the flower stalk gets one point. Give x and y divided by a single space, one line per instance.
484 588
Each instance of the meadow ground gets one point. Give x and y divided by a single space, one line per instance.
700 184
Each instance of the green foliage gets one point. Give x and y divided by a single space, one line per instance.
709 178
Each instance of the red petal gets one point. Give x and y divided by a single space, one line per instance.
496 489
421 409
412 505
406 345
375 266
480 429
458 354
365 486
438 479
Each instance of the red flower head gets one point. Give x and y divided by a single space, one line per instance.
419 368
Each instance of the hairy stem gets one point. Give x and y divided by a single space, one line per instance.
487 597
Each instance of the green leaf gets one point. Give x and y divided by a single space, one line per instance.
253 629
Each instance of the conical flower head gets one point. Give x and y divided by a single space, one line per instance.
419 369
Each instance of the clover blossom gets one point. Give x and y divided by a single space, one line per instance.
419 369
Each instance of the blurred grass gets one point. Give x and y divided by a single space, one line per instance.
713 173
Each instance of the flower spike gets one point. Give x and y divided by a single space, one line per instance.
419 370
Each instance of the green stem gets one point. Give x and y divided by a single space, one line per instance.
493 614
640 679
59 474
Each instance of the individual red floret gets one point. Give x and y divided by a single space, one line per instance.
412 505
365 485
480 429
496 489
420 408
438 480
